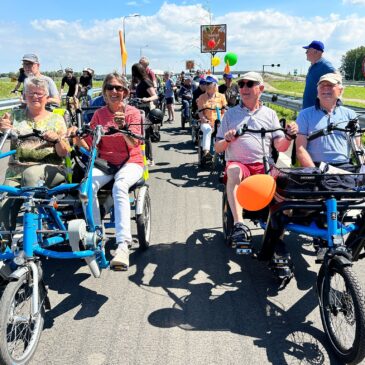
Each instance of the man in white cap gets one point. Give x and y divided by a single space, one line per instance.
31 67
244 154
332 148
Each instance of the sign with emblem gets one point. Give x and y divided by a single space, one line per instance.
213 38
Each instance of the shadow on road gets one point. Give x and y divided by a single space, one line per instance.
213 289
62 278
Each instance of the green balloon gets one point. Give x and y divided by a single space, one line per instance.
231 58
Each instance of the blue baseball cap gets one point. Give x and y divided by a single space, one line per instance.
210 79
318 45
227 76
202 81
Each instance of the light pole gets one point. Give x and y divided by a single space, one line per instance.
123 22
140 50
272 65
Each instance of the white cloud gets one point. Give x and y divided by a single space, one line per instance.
173 36
354 2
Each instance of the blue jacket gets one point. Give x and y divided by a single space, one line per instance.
315 72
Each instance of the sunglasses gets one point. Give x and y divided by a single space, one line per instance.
116 87
209 83
249 84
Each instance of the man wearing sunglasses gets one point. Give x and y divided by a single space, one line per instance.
244 155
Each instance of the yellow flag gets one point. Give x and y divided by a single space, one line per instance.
123 50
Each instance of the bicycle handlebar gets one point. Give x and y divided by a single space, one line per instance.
262 131
352 127
113 130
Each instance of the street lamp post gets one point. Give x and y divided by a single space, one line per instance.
123 22
272 65
140 50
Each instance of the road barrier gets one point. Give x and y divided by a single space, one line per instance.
14 102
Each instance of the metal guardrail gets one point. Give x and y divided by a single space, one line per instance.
296 104
14 102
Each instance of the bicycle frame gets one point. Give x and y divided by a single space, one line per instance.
33 241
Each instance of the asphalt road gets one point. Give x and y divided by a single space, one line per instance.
188 299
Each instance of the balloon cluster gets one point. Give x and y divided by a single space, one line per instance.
230 59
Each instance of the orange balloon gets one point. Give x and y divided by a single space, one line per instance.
256 192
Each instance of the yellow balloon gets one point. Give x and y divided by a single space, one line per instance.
215 61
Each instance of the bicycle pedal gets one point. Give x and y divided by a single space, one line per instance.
321 253
243 248
119 267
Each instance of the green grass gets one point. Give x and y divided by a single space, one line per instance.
296 88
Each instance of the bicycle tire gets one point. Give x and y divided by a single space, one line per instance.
18 294
335 303
227 219
144 223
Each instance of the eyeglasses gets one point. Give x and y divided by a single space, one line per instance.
38 95
248 83
116 87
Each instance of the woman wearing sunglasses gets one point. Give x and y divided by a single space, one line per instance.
123 156
244 154
207 108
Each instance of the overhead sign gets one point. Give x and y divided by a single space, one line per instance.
213 38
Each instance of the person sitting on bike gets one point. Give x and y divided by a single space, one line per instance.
37 158
147 93
186 95
71 81
86 82
207 104
229 89
199 91
123 155
244 154
332 148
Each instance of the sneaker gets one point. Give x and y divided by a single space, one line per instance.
151 163
241 238
120 261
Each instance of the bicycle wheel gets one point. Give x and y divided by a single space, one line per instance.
144 223
19 329
342 307
227 220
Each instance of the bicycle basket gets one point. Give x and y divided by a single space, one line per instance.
307 182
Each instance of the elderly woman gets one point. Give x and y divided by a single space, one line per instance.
36 158
207 104
123 155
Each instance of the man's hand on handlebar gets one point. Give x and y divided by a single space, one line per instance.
292 130
230 136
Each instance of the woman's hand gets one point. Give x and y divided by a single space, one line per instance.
51 136
71 132
5 122
119 119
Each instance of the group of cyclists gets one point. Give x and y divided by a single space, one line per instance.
238 104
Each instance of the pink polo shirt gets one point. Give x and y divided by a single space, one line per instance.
114 148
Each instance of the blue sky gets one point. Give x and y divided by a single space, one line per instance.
79 34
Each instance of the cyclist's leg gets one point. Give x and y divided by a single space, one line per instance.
128 175
207 136
148 143
99 179
185 108
52 175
